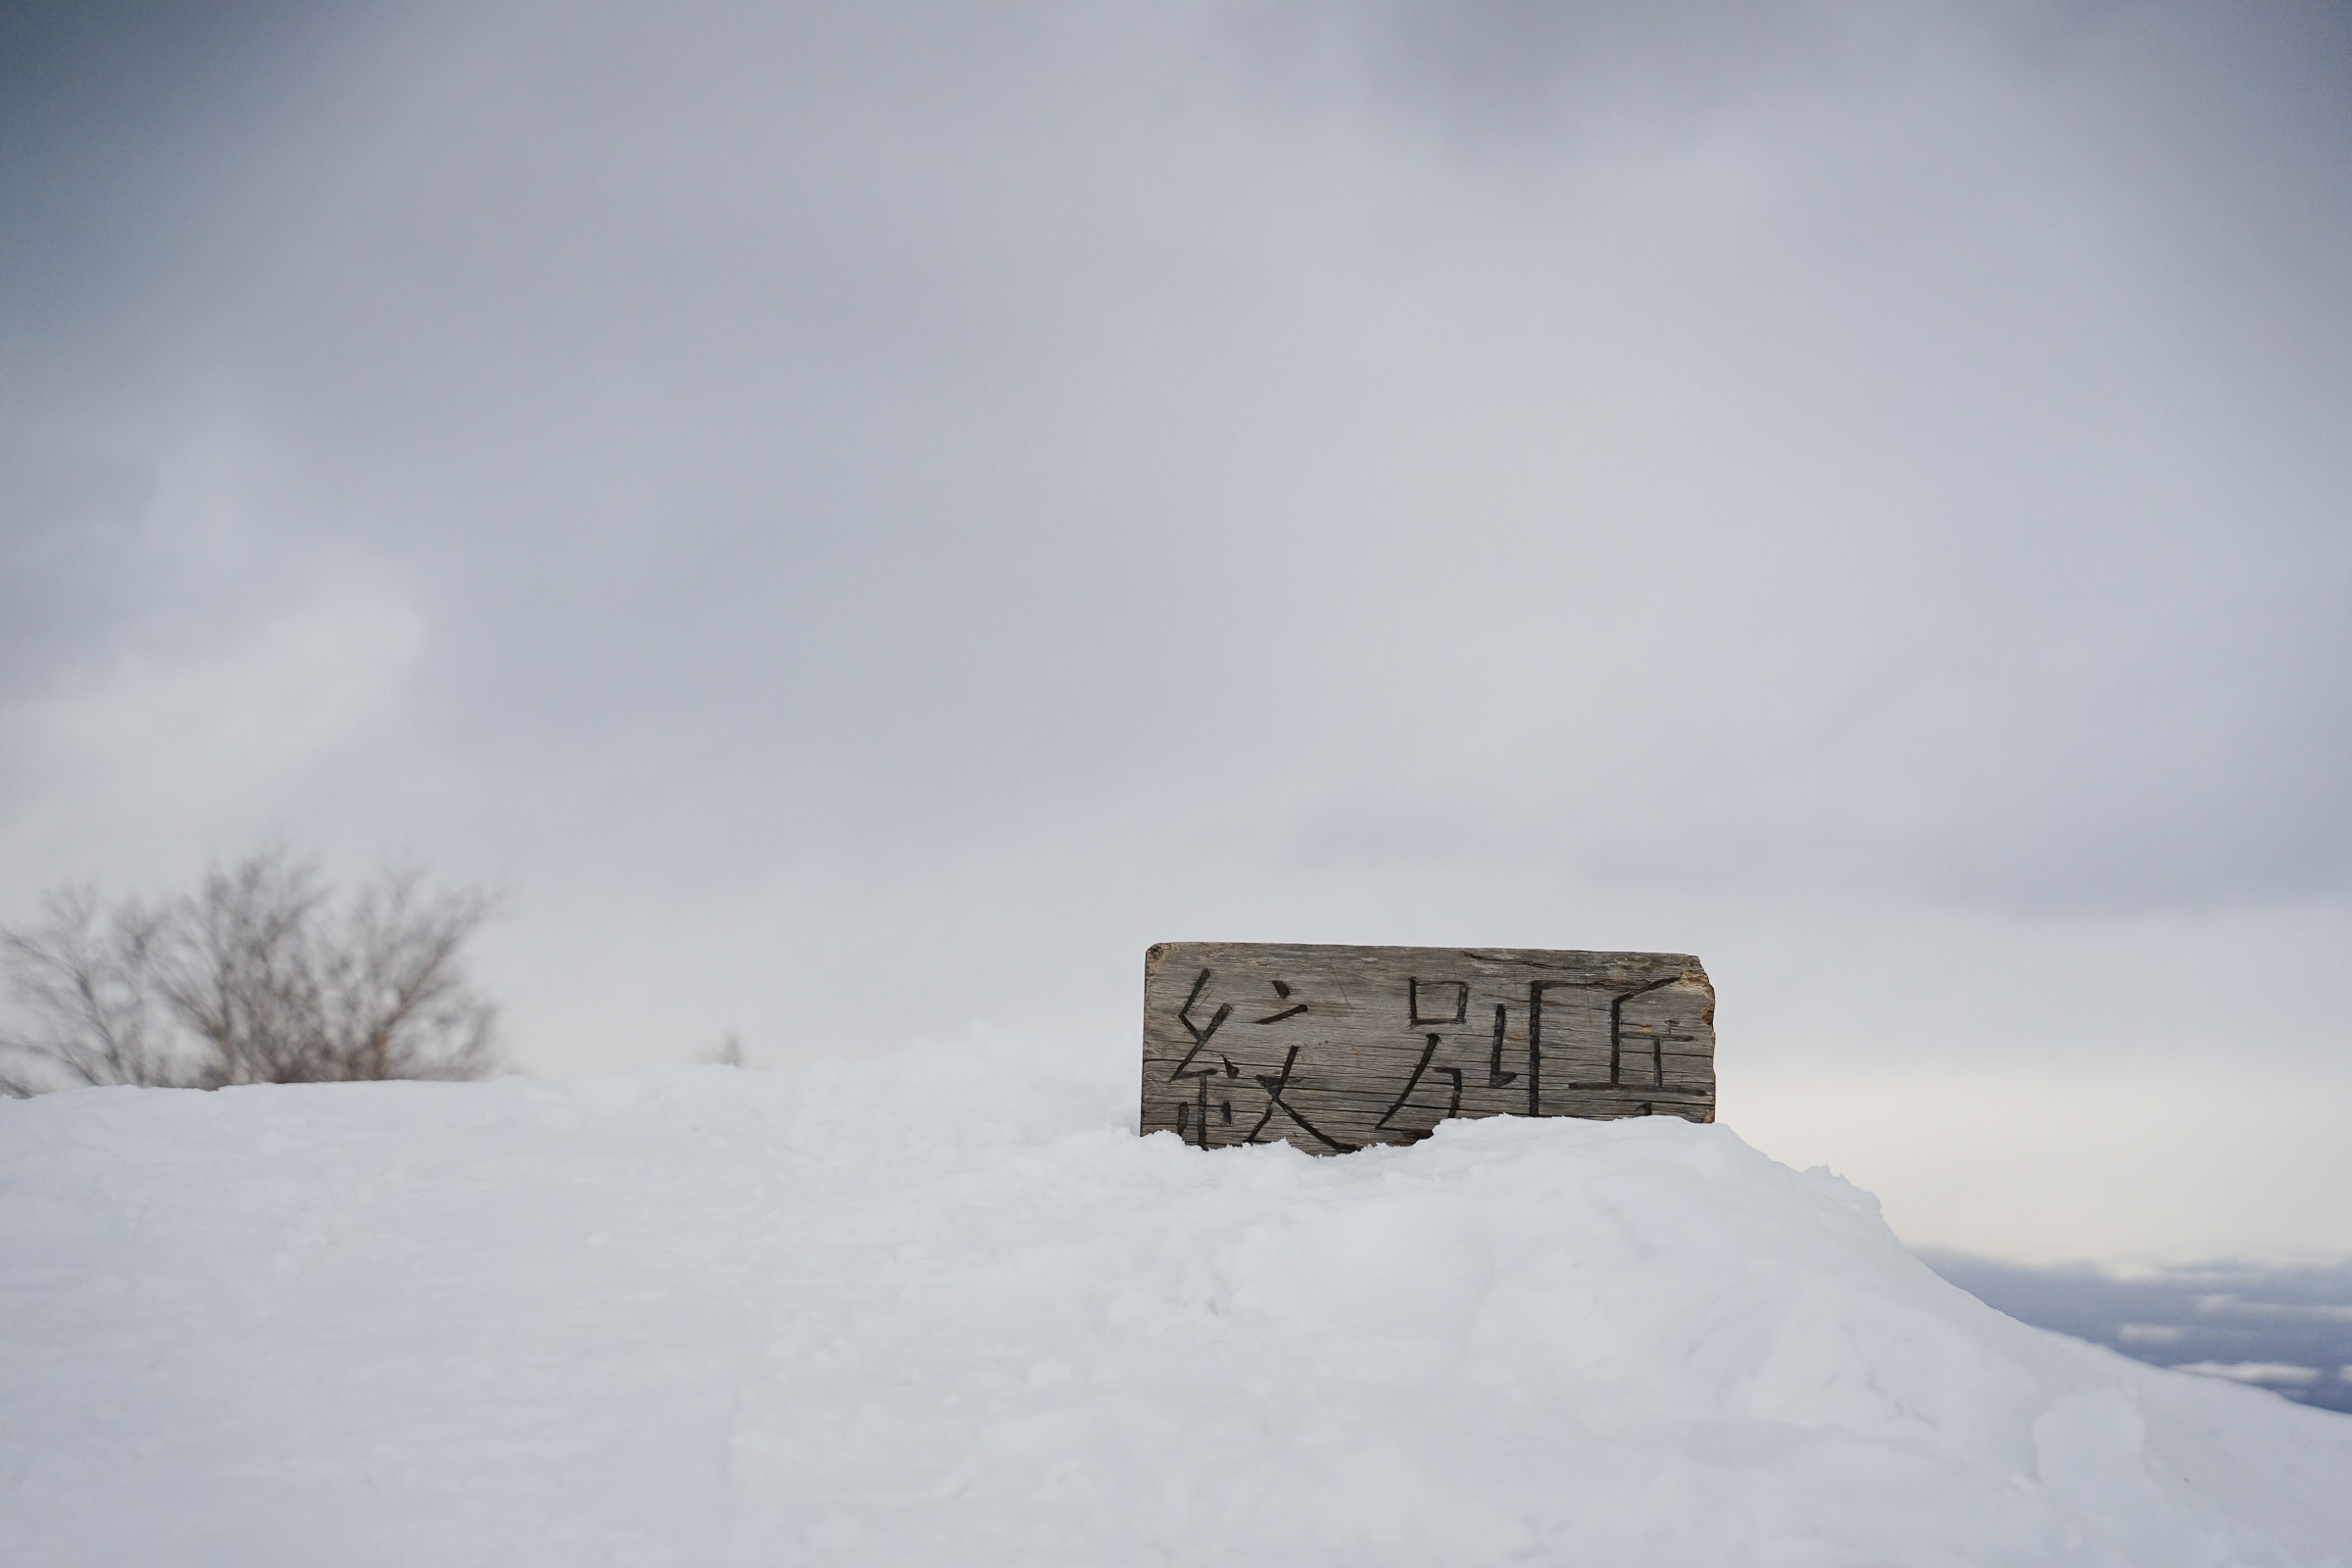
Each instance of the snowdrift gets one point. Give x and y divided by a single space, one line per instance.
946 1309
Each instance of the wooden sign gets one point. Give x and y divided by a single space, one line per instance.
1330 1049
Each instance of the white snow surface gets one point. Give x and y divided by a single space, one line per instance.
946 1308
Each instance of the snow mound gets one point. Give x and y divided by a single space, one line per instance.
946 1308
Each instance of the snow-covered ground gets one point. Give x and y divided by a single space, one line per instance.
945 1307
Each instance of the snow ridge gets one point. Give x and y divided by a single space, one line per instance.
946 1308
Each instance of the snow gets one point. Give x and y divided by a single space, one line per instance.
945 1307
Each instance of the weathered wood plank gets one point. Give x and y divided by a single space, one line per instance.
1331 1048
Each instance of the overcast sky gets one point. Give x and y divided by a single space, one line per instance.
863 517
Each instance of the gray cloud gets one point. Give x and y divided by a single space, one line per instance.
778 484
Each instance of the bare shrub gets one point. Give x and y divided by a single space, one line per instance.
259 976
84 982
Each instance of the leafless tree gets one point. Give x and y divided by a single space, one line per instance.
84 983
259 976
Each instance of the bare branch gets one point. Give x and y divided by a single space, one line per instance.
257 977
85 984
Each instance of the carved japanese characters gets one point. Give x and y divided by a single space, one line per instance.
1334 1048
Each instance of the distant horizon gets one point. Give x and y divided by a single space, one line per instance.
2282 1327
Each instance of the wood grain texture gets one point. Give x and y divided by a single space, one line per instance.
1331 1048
